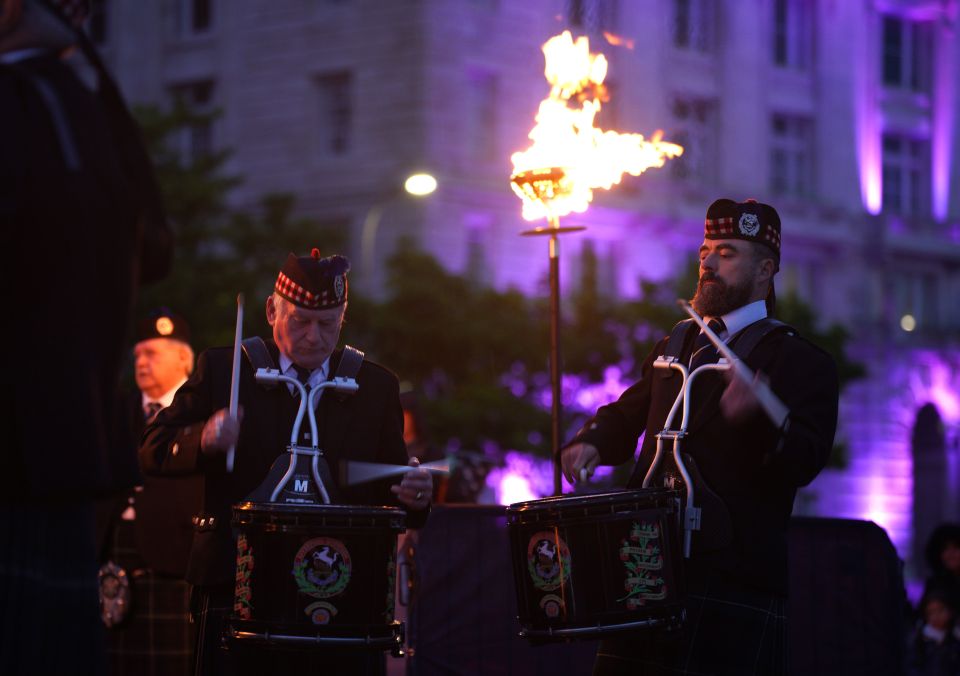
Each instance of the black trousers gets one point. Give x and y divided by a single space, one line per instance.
213 605
730 631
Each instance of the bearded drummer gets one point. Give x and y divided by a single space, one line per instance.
737 581
306 312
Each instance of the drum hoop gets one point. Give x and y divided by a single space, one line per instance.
385 636
562 501
298 517
591 507
665 620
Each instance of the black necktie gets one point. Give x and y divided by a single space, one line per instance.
303 375
704 351
150 410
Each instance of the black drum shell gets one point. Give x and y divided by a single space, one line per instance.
595 537
268 598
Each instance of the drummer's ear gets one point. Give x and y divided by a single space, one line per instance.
271 310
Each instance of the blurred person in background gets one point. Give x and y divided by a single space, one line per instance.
148 530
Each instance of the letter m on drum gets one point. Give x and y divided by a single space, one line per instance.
300 485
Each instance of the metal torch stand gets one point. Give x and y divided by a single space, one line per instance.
553 232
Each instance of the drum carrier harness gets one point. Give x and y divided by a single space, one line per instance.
290 480
708 514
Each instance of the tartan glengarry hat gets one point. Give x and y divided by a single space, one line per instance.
750 220
162 322
313 282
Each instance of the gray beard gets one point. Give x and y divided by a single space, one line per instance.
716 300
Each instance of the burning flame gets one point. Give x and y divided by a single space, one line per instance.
570 157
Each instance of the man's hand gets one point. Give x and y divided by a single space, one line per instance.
739 401
220 432
416 489
579 459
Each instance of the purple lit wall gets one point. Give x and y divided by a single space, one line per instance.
877 418
943 120
867 119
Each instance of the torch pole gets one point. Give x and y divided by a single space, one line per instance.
555 371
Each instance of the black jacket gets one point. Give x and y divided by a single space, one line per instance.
754 467
366 426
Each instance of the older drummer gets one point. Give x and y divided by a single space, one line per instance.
306 312
737 579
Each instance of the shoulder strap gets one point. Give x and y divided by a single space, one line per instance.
349 367
744 342
350 362
257 353
678 335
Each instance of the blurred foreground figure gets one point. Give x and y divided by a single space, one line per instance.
737 573
148 530
77 203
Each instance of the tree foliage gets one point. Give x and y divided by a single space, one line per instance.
221 250
477 356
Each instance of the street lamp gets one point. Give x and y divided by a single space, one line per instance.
419 185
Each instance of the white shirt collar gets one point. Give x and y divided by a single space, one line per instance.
317 376
936 635
165 400
739 319
21 54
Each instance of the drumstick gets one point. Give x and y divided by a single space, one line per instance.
775 409
235 380
353 472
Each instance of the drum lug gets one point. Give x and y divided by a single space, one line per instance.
691 518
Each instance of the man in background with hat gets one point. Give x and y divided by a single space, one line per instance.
144 599
737 574
83 227
306 312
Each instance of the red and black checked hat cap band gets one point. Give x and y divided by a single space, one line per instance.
298 295
749 220
314 282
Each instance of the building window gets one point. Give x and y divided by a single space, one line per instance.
907 56
194 17
196 139
792 33
694 24
791 155
917 294
98 24
335 94
906 175
695 128
481 116
591 16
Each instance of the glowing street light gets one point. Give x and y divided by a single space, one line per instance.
420 185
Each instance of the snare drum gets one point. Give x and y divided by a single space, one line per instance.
313 576
589 566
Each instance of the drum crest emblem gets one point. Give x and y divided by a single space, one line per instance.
548 560
322 568
642 555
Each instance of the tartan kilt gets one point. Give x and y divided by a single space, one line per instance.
729 632
49 622
157 637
